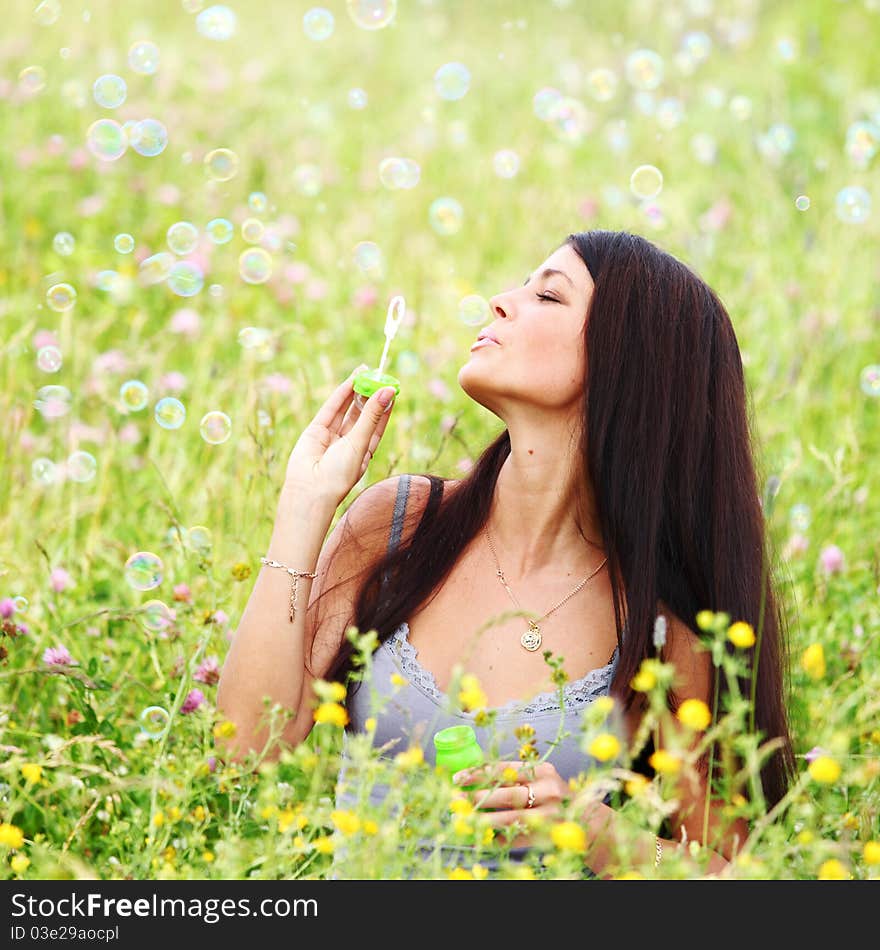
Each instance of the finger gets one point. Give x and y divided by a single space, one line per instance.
337 401
367 424
493 772
506 797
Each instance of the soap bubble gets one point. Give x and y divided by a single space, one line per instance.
32 79
182 237
156 268
198 539
646 181
544 101
853 204
473 310
799 517
399 172
156 615
47 12
862 139
252 230
802 202
148 137
124 243
255 265
221 164
602 84
697 44
49 358
134 395
61 297
185 279
506 163
215 427
445 215
220 230
255 338
52 402
143 57
258 202
170 413
357 98
44 471
216 23
307 179
741 107
64 243
372 14
318 24
452 81
569 120
109 91
106 140
368 257
644 69
81 466
154 720
869 380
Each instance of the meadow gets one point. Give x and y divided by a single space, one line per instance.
204 212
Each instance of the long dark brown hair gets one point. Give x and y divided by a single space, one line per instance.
667 445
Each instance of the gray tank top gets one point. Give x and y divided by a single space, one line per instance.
411 714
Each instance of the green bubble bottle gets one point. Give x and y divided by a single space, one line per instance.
369 381
457 748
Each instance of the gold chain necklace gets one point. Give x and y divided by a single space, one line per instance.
531 639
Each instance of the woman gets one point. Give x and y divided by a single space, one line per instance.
621 489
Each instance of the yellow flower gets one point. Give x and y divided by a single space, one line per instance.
158 819
630 876
346 821
525 731
741 635
694 713
604 704
370 724
833 870
813 661
174 813
32 773
20 863
645 680
267 812
331 713
398 680
370 827
200 813
460 874
291 816
664 762
225 730
241 571
568 836
462 827
509 775
471 696
636 785
805 836
330 692
872 852
705 619
324 845
850 821
824 769
208 857
605 747
411 757
488 835
479 872
462 807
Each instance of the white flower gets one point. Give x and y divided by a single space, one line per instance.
659 632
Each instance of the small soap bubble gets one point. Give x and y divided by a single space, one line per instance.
124 243
506 163
371 14
473 310
646 182
215 427
216 290
61 297
32 79
156 268
148 137
569 120
799 517
64 243
49 358
399 173
704 148
109 91
862 139
869 380
452 81
198 539
252 230
258 202
106 140
143 57
107 280
182 237
21 604
47 12
156 615
255 265
368 257
170 413
602 84
669 112
221 164
252 338
318 24
644 69
445 215
220 230
185 279
53 402
357 98
217 23
81 466
697 44
853 204
43 471
544 102
307 179
802 202
134 395
154 720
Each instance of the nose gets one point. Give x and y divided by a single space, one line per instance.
495 307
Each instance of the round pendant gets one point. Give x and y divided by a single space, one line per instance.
531 639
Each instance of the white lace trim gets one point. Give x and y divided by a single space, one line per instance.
579 692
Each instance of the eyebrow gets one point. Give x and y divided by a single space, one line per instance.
549 272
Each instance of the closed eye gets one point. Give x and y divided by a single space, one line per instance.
547 297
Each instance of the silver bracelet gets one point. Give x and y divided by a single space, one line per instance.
294 576
658 851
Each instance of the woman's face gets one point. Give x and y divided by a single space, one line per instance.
540 328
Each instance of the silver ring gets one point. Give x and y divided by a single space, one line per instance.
531 798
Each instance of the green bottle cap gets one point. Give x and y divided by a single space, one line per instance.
454 737
369 381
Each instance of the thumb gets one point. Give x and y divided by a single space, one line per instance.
371 415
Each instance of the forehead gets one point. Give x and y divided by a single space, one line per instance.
567 260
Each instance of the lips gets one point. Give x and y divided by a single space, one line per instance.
488 334
484 342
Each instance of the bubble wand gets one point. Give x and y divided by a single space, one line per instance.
369 381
